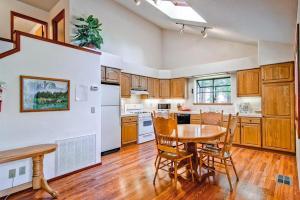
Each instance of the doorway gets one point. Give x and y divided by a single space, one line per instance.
27 24
58 27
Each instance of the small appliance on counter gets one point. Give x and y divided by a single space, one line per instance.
164 106
145 125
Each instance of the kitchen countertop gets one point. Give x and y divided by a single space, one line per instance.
128 115
198 112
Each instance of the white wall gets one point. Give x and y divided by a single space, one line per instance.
274 52
17 6
62 4
125 34
5 46
38 58
189 50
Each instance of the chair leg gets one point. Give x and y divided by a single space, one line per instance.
234 169
192 169
200 165
228 175
156 171
156 160
175 173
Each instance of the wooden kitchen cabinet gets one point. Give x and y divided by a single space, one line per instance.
251 134
195 119
110 75
164 86
178 88
125 85
153 88
237 133
129 130
280 72
102 74
248 83
278 134
278 99
139 82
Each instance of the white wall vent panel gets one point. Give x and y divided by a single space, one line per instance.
75 153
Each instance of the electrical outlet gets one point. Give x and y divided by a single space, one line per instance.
22 170
12 173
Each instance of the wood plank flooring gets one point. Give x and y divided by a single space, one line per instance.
128 174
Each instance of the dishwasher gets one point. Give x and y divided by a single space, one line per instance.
183 118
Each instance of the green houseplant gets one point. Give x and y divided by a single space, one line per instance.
87 32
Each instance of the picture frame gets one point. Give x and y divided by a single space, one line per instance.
42 94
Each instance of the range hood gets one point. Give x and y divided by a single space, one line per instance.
139 92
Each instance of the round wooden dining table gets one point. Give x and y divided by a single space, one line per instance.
191 134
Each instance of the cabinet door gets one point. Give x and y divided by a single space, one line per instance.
129 132
102 74
251 135
248 82
278 133
278 72
178 88
278 99
112 75
156 88
151 87
164 88
135 82
125 85
143 83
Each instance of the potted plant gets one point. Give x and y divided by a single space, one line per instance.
87 32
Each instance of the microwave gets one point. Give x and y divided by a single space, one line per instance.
164 106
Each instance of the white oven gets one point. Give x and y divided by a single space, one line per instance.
145 128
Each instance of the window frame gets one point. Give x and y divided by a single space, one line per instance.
214 92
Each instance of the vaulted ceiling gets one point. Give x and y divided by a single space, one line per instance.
239 20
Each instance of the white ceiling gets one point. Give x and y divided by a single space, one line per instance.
46 5
239 20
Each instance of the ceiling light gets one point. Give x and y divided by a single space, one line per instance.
137 2
182 29
204 33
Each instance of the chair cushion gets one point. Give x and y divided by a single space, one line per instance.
174 156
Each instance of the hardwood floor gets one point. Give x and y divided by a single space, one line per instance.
128 174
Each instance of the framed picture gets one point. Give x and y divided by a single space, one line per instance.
40 94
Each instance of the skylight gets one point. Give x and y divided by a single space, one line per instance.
177 12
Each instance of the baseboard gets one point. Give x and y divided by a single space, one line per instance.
28 186
110 151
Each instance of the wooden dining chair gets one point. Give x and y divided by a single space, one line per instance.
211 118
222 154
168 147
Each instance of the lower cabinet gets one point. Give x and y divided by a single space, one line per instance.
278 134
237 133
195 119
251 134
129 130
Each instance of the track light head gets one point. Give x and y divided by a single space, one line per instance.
181 31
204 32
137 2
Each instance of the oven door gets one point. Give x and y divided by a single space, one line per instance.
145 125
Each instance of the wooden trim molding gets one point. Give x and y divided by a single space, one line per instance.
18 45
6 40
16 14
60 16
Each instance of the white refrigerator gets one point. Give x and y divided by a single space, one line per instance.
110 119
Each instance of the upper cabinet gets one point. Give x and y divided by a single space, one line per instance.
139 82
179 88
125 85
280 72
153 88
248 83
164 86
110 75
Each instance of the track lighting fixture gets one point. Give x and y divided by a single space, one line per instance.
181 31
137 2
204 33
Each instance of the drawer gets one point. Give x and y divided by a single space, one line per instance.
129 119
195 117
250 120
195 121
225 118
